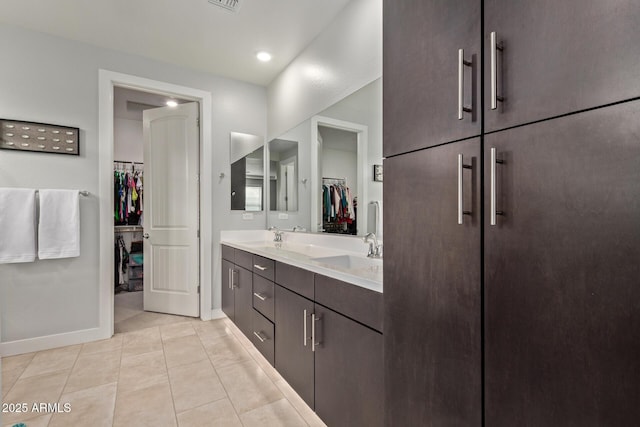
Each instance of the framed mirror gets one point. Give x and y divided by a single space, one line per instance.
247 172
283 175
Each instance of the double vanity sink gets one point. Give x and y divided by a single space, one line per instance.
341 257
312 305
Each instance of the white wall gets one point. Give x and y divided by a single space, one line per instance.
60 296
343 58
128 140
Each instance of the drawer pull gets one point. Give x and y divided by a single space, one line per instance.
257 334
262 297
259 267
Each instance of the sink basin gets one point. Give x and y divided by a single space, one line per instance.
349 261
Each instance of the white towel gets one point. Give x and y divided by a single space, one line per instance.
59 227
17 225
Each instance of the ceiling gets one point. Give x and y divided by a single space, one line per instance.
190 33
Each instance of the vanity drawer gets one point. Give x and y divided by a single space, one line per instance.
244 259
360 304
295 279
228 253
263 296
265 267
262 336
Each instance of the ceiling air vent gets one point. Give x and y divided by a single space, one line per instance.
232 5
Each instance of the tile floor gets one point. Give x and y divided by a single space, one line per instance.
188 373
129 315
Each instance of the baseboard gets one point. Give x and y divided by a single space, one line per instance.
29 345
217 313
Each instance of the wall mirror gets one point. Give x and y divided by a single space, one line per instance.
338 148
247 172
283 175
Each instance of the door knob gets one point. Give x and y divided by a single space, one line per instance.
145 235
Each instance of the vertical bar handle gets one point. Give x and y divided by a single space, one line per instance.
304 326
494 71
229 279
314 319
233 279
461 64
494 161
461 211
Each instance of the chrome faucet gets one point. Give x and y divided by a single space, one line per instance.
277 234
375 249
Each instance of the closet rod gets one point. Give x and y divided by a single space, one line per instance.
82 192
135 163
335 179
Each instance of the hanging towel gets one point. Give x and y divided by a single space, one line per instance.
59 227
17 225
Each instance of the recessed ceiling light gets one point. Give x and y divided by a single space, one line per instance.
172 103
263 56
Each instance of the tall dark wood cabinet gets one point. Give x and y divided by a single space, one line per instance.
237 293
557 57
432 294
421 42
562 272
532 321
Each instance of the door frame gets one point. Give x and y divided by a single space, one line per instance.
363 158
108 80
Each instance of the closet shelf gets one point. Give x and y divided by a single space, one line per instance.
127 228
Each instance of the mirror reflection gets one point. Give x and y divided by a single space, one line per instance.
247 172
283 175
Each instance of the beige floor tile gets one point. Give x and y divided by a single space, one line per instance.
151 406
248 387
218 414
300 405
276 414
113 343
89 407
176 330
142 371
225 350
184 350
121 315
194 385
93 370
41 421
211 329
141 341
17 362
264 364
45 388
147 319
9 378
47 361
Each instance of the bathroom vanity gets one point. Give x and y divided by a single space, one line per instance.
312 305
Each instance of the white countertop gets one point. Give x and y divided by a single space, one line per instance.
303 250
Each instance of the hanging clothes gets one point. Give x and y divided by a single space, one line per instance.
338 208
128 197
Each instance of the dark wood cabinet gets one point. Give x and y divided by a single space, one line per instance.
293 356
237 290
349 387
432 295
562 272
559 57
421 40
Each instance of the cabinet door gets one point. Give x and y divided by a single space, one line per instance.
562 294
421 40
294 358
349 384
243 291
432 296
559 56
228 305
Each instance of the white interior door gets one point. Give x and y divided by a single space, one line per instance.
171 216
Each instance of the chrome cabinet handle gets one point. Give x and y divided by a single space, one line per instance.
262 297
495 47
314 319
259 267
229 278
259 336
461 63
461 211
304 326
494 162
233 279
